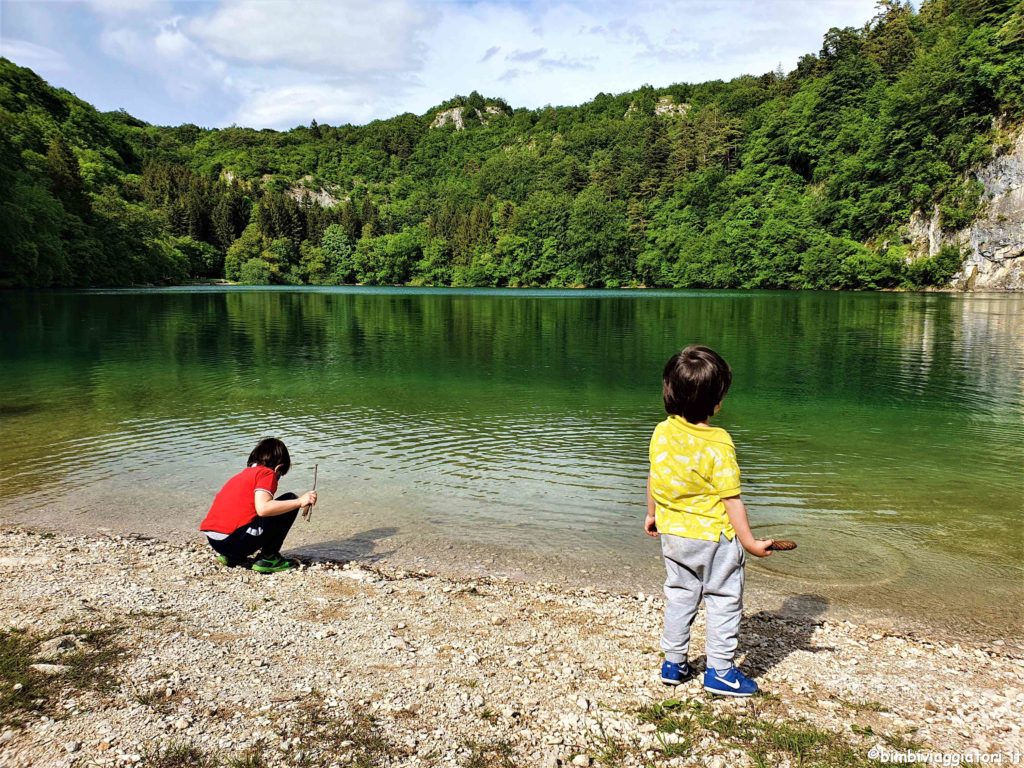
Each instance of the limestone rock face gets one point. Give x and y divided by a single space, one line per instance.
453 116
457 116
667 106
317 194
994 242
996 239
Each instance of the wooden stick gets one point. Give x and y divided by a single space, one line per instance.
307 511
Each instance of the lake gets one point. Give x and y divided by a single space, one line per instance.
881 431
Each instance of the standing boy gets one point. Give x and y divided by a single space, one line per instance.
694 505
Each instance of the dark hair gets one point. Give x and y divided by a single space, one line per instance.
271 452
694 382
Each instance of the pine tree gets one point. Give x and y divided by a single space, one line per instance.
66 176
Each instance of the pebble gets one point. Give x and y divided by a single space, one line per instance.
49 669
568 668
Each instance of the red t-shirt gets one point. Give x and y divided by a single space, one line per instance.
235 504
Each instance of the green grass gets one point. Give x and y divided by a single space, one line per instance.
179 755
495 754
325 736
16 649
863 706
88 668
251 758
763 735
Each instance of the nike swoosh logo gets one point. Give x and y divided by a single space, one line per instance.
735 686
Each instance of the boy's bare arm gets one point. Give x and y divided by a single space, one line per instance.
737 511
266 506
650 522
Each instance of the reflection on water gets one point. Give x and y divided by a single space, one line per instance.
882 430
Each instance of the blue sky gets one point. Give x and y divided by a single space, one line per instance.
280 63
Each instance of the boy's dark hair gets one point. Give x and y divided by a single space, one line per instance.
694 382
271 452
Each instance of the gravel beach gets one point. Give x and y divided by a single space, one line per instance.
145 652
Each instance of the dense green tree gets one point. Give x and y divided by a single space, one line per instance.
783 180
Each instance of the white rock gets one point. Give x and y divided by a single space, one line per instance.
49 669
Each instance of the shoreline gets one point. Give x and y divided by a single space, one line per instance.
639 289
369 664
411 545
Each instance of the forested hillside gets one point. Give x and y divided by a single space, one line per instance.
786 180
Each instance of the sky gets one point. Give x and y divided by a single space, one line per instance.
282 63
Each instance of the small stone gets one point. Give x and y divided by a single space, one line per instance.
73 746
581 760
181 724
17 686
582 703
49 669
51 649
497 620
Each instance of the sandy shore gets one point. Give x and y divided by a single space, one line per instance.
158 656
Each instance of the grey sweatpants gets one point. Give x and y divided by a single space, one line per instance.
712 570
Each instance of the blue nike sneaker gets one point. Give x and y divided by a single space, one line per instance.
674 674
729 683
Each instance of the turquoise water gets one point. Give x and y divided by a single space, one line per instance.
882 431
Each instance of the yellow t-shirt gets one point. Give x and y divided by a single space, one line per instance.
693 468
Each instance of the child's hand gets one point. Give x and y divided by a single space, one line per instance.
651 526
307 499
759 547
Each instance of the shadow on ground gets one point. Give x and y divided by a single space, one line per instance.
361 547
767 638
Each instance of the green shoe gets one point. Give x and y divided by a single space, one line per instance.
227 562
275 564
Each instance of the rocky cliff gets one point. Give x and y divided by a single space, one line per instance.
994 243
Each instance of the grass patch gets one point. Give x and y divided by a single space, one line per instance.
251 758
326 736
24 690
91 667
764 736
863 706
902 741
370 747
496 754
179 755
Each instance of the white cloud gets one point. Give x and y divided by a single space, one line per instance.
37 57
278 63
291 105
122 7
332 38
162 49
